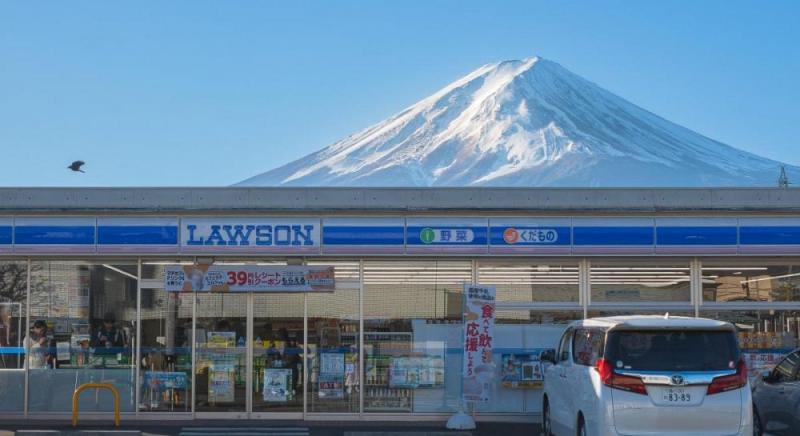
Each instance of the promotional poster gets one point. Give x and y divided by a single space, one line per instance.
249 278
331 375
522 370
276 385
221 383
479 367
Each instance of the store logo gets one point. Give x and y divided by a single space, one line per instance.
427 235
243 235
513 235
446 236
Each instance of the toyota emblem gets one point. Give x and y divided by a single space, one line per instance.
677 380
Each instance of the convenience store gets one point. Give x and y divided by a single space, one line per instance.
83 276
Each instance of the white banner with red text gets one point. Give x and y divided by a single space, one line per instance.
479 366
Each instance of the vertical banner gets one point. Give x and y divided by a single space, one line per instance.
479 367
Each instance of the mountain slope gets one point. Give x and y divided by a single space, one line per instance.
526 123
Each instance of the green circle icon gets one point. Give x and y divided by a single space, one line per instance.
427 235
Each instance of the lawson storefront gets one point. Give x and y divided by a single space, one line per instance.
85 291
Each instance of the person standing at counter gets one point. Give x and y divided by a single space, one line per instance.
108 341
41 347
108 336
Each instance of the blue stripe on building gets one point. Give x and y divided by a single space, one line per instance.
137 235
696 235
372 235
6 233
769 235
607 235
55 235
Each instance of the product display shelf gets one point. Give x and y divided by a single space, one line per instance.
379 394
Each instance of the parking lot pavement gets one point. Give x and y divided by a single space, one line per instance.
261 428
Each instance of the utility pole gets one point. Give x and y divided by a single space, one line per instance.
783 180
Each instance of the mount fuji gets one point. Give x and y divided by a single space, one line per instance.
526 123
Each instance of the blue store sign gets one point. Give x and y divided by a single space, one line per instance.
268 235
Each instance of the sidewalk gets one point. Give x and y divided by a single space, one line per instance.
259 428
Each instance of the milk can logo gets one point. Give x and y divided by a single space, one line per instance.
446 236
513 235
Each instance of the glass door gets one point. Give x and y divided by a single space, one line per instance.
278 355
221 353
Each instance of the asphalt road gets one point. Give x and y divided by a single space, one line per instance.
263 428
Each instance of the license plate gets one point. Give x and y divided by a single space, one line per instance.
675 395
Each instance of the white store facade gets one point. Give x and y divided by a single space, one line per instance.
386 342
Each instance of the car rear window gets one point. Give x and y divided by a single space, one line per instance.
666 350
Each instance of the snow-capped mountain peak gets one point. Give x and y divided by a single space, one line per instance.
525 122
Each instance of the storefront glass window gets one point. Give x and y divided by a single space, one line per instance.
82 329
166 351
412 337
539 281
519 342
333 338
13 297
765 336
758 280
635 281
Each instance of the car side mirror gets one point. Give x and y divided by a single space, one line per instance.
767 376
548 355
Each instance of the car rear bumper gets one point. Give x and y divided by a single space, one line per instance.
611 431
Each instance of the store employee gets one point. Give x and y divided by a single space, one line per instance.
108 336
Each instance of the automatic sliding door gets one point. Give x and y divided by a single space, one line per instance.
278 353
221 343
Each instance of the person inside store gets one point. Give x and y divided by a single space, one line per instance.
108 340
8 338
42 347
108 335
294 361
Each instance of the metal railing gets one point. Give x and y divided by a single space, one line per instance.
76 395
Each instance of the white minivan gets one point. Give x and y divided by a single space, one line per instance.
647 375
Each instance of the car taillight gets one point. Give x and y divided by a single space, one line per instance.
619 381
729 382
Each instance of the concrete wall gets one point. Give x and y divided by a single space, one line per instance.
545 200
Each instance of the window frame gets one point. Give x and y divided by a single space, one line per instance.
593 330
568 336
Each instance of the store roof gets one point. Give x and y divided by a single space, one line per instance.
292 199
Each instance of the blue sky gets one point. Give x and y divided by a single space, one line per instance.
200 93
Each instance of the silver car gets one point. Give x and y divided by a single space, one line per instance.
776 399
647 375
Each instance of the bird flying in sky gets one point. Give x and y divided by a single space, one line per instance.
76 166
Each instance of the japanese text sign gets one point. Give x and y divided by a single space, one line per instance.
249 278
479 367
